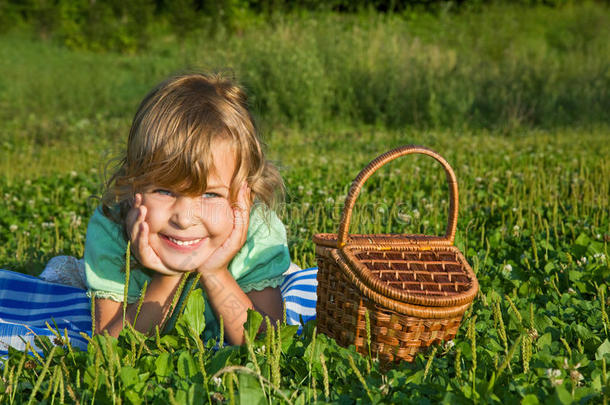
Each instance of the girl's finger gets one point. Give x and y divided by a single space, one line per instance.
133 215
143 246
140 218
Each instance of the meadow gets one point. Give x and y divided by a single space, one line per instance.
516 102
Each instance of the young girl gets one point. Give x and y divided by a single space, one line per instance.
191 194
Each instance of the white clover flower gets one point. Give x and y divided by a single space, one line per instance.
308 192
516 230
330 200
600 256
380 210
553 374
478 179
73 190
571 291
217 381
28 182
449 344
506 270
582 261
73 173
13 228
416 213
576 377
300 188
404 217
31 202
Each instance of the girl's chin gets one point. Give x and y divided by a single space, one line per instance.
182 263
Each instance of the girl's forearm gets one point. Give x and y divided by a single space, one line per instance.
155 305
229 301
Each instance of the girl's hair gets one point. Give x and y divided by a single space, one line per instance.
171 143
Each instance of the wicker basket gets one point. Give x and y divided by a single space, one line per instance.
415 287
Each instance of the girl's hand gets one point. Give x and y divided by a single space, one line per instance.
138 232
220 258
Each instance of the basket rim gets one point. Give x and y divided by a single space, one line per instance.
376 239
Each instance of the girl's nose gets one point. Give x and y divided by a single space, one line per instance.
186 212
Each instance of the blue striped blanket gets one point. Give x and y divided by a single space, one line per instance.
30 306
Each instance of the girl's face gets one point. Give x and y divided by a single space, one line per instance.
184 231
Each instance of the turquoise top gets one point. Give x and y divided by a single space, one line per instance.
260 263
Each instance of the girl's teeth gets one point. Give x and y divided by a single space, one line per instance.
183 243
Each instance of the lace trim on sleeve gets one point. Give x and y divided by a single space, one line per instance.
111 296
262 284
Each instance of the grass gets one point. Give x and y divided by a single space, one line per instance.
534 219
533 224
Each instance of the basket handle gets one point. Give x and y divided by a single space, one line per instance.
382 160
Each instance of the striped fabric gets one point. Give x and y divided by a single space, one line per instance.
27 303
299 293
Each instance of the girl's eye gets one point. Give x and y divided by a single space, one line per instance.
163 192
211 195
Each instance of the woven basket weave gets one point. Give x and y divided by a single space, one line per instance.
415 288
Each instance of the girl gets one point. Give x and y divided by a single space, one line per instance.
191 194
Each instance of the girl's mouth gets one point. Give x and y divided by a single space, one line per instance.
182 244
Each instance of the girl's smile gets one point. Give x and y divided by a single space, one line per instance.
185 230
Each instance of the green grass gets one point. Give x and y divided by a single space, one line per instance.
519 114
532 207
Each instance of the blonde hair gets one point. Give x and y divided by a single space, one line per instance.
171 143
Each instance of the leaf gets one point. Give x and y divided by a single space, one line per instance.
288 332
220 359
181 397
250 391
186 365
163 365
128 376
134 397
253 324
170 341
544 341
602 350
193 314
562 395
196 394
584 333
530 399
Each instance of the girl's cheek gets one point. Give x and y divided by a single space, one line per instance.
217 212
